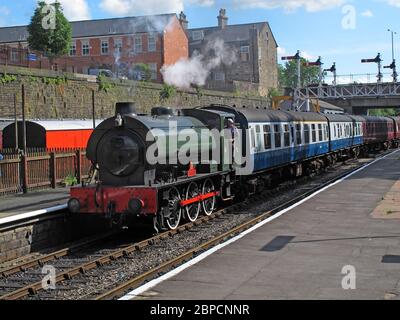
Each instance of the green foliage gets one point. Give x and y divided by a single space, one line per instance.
168 91
55 81
274 92
384 112
6 78
104 84
288 74
199 92
70 180
145 71
54 42
33 79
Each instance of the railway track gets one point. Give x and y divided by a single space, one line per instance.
75 266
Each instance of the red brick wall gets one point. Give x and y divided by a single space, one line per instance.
176 44
170 47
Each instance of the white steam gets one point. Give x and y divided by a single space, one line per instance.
195 71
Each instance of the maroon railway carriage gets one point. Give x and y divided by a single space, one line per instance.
378 131
396 121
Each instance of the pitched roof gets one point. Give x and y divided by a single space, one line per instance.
230 33
101 27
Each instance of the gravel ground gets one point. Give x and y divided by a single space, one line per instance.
101 279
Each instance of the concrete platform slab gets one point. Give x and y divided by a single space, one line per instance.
22 203
332 230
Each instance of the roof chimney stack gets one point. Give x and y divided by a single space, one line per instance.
222 19
183 21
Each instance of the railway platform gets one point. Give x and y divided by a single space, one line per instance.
13 206
341 243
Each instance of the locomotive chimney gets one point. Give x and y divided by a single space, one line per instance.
125 108
222 19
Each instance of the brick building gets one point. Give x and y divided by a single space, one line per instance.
119 44
256 50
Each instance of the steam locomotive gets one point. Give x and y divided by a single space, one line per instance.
271 145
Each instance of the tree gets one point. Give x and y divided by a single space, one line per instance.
288 74
49 30
384 112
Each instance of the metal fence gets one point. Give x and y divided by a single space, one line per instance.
40 170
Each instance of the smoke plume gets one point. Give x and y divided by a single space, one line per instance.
195 70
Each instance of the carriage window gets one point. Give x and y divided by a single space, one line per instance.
338 130
326 132
286 135
258 137
267 137
277 136
298 134
253 139
320 132
306 133
313 133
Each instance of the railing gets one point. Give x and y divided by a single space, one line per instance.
353 78
388 89
40 170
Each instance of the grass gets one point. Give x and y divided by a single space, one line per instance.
70 180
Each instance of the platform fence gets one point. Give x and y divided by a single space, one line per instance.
40 169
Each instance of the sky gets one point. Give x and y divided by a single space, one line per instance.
341 31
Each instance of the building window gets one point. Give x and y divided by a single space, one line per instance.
104 47
153 70
85 48
14 55
219 76
138 44
245 53
197 35
151 43
118 45
72 49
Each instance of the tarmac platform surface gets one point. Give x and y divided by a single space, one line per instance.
23 203
311 250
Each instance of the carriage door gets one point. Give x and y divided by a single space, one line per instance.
292 141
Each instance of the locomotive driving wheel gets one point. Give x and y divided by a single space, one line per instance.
192 210
175 209
208 204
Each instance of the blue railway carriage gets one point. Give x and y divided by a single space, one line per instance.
346 131
280 137
358 130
